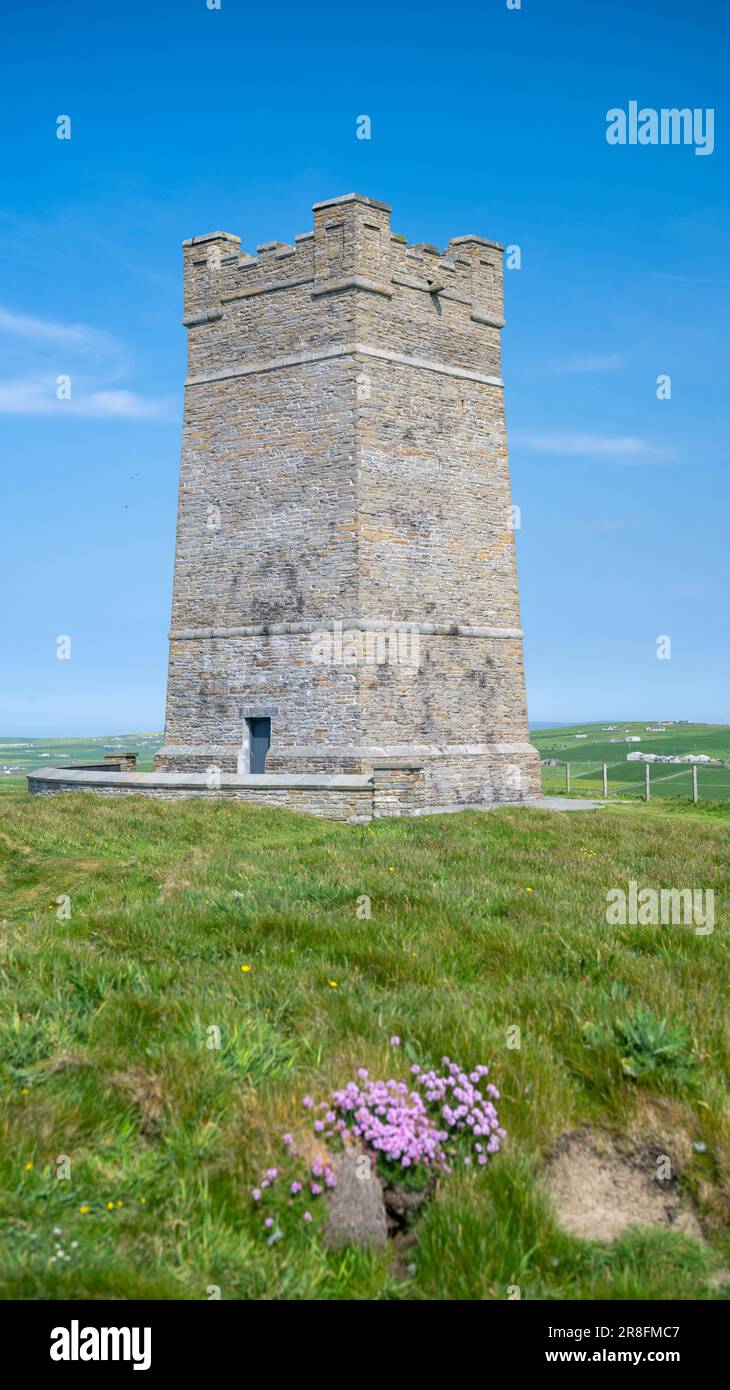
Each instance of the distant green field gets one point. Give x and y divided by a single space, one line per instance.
587 756
19 756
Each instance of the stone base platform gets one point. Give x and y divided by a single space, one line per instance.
393 790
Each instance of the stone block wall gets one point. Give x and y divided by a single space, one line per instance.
345 461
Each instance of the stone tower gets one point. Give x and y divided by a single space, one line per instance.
345 593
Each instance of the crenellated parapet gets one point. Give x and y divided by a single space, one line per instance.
239 304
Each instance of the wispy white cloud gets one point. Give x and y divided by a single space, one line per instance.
38 397
40 350
569 366
78 336
131 405
620 446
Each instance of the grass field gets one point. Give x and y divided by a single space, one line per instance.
21 755
587 746
480 923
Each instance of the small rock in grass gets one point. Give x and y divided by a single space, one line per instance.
356 1210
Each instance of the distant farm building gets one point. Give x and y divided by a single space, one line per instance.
667 757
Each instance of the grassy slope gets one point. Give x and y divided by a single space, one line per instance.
103 1053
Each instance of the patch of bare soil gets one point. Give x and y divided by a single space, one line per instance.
63 1061
176 880
144 1088
13 845
402 1207
600 1186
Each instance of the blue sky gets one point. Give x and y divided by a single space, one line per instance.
484 119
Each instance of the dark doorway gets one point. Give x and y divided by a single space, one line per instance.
259 734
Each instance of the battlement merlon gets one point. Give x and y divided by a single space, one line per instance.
202 257
487 280
352 244
351 247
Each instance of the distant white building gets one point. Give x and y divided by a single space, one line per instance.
580 735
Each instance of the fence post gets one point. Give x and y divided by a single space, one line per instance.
605 780
567 777
695 794
647 780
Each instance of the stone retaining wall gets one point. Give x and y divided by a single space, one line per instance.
392 789
348 799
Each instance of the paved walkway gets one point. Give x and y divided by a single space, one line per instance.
567 803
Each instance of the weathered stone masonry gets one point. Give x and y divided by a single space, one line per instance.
344 467
345 459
